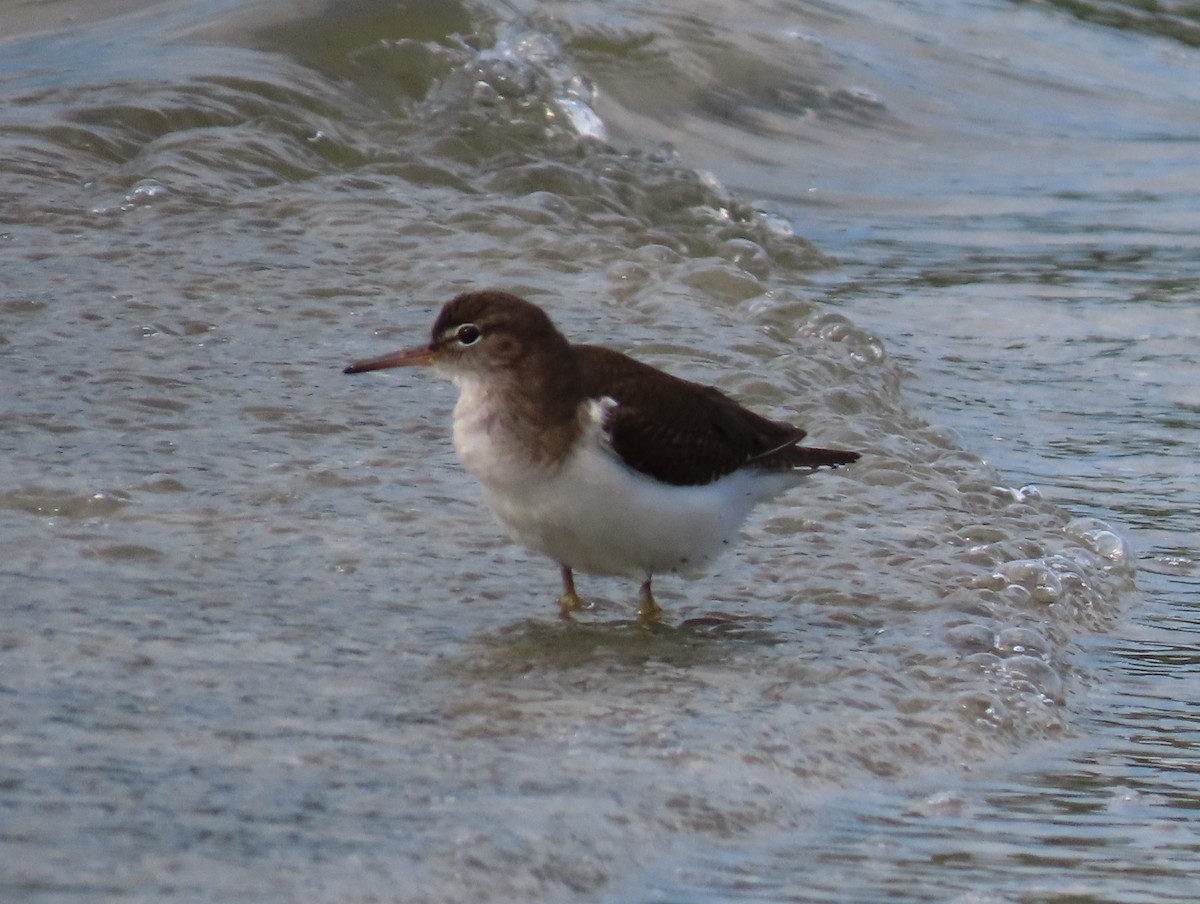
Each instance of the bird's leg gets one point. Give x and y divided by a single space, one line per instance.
648 609
569 601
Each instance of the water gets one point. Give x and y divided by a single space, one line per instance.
260 643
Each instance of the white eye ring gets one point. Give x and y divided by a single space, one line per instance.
468 334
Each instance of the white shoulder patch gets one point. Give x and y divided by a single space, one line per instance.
595 418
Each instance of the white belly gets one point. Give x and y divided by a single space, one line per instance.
598 516
593 513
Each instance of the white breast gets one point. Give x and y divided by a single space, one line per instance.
592 512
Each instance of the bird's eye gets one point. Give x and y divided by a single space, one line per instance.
467 334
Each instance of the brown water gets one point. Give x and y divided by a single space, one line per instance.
260 642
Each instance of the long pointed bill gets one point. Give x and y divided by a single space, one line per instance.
421 354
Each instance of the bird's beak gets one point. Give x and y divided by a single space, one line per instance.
421 354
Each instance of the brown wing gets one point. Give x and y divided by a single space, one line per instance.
685 433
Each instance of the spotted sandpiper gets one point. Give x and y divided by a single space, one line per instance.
603 463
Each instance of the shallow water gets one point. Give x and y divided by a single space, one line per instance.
260 641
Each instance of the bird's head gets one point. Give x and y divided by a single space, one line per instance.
481 335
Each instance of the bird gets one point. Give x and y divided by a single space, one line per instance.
602 463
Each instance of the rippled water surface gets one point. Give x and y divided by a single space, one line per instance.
259 640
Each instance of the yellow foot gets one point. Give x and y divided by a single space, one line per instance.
569 603
648 609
